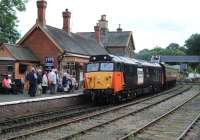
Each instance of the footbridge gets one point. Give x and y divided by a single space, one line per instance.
177 59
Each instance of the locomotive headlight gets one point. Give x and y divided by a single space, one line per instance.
108 85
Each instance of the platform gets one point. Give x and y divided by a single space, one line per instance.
6 99
22 104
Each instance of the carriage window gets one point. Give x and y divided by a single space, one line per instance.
106 66
92 67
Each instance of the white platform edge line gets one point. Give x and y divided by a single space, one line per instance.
38 99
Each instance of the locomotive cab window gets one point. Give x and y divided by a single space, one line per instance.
106 67
92 67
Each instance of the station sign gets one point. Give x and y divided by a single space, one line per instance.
49 63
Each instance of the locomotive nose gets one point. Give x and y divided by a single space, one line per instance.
99 80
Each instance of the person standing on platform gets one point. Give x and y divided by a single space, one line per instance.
22 84
39 81
6 85
65 82
52 81
73 83
32 78
44 82
57 79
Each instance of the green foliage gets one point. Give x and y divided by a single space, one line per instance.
173 46
8 19
193 48
173 49
144 54
193 44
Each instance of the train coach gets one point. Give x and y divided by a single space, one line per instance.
110 78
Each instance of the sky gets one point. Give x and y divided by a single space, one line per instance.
153 22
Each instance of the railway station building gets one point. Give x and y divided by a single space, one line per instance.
68 51
119 42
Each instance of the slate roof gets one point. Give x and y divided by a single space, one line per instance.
21 53
111 39
74 43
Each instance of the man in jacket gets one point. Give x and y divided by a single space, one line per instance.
32 78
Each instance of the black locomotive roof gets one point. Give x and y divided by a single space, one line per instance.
121 59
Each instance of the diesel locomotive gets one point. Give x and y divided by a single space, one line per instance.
110 78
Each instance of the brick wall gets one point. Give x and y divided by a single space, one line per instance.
116 50
41 46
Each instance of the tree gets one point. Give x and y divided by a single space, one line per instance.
144 54
193 44
173 46
173 49
8 19
158 51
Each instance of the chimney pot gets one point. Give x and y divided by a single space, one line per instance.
41 5
97 30
66 20
119 29
103 23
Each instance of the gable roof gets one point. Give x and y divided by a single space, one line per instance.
69 42
20 53
74 43
112 39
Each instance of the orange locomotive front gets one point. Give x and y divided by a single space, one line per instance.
103 80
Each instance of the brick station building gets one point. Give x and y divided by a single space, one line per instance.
68 50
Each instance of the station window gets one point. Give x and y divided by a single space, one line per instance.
22 68
10 68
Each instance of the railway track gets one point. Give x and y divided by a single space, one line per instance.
189 127
146 102
19 123
174 124
16 124
43 118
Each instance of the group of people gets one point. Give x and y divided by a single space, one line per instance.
50 81
43 82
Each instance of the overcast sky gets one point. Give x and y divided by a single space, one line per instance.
153 22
